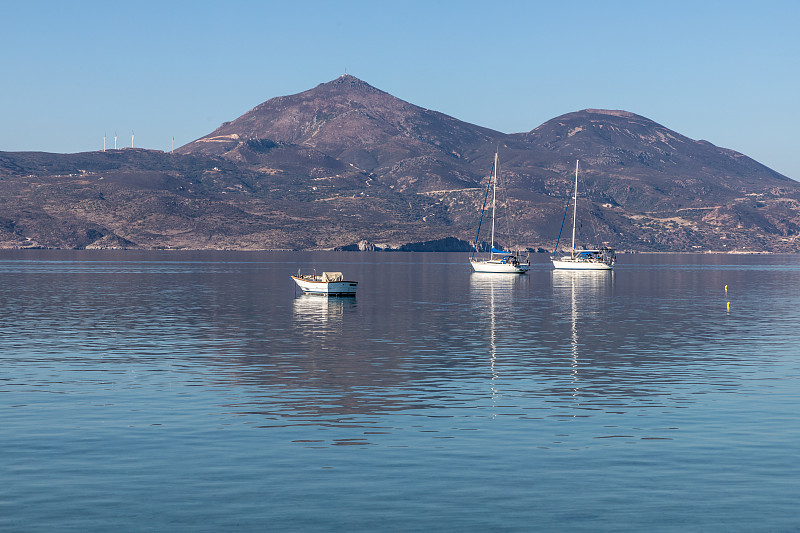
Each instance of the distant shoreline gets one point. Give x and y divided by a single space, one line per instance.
392 251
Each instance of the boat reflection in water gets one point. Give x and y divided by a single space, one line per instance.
320 314
494 293
581 293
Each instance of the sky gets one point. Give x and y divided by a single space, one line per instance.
74 72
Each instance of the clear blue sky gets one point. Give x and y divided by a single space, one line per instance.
727 72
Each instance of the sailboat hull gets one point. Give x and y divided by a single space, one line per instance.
499 267
569 264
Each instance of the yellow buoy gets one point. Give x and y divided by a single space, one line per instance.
726 288
729 306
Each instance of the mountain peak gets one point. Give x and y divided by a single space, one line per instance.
348 81
611 112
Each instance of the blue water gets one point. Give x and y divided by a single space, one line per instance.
169 391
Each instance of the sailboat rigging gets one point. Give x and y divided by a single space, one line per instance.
597 259
499 261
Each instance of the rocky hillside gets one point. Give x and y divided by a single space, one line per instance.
345 163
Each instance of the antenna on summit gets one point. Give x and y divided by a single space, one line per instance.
104 142
131 138
115 140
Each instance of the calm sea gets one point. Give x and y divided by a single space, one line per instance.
169 391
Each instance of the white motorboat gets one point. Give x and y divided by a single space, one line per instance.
602 258
330 283
498 261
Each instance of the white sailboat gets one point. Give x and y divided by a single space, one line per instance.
499 261
596 259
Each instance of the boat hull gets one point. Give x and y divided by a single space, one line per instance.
330 288
499 267
568 264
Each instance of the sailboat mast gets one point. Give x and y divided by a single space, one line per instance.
494 197
575 208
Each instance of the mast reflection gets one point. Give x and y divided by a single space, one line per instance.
582 289
495 292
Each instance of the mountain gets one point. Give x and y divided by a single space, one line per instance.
668 166
371 131
347 165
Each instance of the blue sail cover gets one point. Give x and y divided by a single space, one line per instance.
495 251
